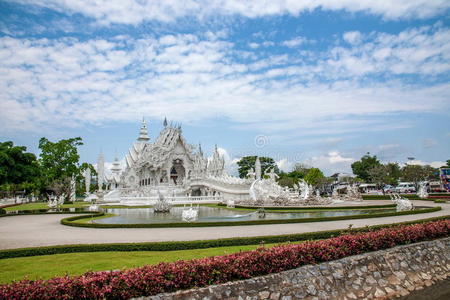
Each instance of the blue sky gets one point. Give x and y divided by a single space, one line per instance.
318 82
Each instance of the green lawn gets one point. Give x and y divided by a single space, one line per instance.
48 266
43 205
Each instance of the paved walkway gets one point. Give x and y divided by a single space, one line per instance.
45 230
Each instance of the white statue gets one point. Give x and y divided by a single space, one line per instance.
268 191
161 204
272 175
403 204
251 174
52 202
190 214
257 168
87 180
422 193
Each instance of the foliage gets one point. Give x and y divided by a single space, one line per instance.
169 277
2 211
199 244
60 163
314 176
18 169
49 266
290 178
361 168
248 162
418 173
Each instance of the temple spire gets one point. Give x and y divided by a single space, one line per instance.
165 122
143 133
200 149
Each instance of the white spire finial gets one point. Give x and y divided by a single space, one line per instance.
143 133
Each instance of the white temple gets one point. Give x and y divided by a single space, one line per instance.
172 167
177 171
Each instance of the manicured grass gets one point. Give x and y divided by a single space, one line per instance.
88 220
48 266
43 205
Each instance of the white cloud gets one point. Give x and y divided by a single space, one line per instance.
429 143
353 37
434 164
285 165
332 162
295 42
135 11
53 84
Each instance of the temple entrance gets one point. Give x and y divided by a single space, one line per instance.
177 172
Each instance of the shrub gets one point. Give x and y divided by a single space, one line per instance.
169 277
2 211
440 201
199 244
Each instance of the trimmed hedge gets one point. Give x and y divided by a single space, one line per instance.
70 221
314 207
386 197
440 201
199 244
169 277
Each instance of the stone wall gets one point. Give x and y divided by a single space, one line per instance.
376 275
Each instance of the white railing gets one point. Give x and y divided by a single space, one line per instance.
170 199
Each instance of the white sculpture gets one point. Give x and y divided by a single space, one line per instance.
272 175
422 193
87 180
305 189
230 203
403 204
52 202
190 214
100 171
257 168
268 191
251 174
161 204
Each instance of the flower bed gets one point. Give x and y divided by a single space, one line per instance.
168 277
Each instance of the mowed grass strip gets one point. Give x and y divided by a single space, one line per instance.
48 266
43 205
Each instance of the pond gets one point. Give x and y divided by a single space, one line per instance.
217 214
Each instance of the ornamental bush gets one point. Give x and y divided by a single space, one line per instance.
169 277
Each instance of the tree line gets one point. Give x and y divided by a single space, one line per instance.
53 172
368 169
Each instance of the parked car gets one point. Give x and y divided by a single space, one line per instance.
389 189
405 188
369 188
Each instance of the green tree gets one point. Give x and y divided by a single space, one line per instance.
361 167
393 173
314 177
60 163
385 174
19 170
417 173
248 162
